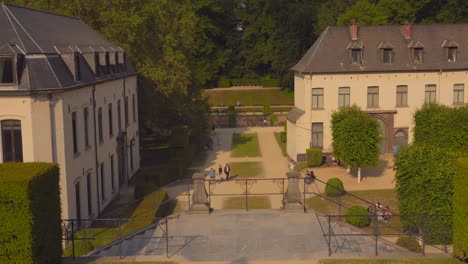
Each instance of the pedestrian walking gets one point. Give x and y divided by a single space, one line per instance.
220 172
227 170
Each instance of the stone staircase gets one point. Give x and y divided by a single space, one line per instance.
350 240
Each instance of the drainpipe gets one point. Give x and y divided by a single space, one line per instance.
52 127
96 149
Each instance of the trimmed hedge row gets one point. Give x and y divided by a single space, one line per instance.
30 213
357 215
460 210
224 82
231 116
314 157
409 243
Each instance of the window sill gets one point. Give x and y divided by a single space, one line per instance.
76 155
88 147
458 104
373 107
101 142
317 109
401 106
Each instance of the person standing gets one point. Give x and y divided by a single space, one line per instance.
212 174
227 170
220 172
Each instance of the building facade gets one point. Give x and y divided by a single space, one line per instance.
388 71
68 96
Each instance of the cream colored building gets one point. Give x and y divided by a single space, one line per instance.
69 96
388 71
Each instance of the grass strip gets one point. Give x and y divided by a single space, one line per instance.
245 145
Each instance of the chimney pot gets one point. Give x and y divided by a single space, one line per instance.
407 30
353 28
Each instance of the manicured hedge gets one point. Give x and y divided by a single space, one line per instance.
273 119
30 213
357 216
231 112
460 210
314 157
334 187
224 82
266 110
271 83
442 126
409 243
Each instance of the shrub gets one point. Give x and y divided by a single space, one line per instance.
357 216
231 112
30 213
224 82
267 82
460 211
283 136
273 119
409 243
266 110
314 157
334 187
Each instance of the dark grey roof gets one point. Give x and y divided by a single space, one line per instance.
47 43
330 53
294 114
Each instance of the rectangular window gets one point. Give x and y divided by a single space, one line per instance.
103 193
373 96
132 142
356 56
119 115
77 68
387 55
418 55
126 110
12 141
452 54
317 135
402 95
107 59
75 140
100 133
317 98
78 202
86 126
111 127
112 171
6 70
97 64
458 93
343 96
116 66
134 107
88 194
430 94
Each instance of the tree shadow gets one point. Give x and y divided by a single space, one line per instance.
376 171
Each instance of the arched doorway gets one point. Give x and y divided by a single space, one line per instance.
382 131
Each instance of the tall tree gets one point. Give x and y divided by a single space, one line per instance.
356 138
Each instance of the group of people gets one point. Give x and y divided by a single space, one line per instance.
383 213
309 177
226 170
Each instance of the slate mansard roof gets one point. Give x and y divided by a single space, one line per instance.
331 51
47 46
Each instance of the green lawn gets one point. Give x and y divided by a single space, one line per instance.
281 143
248 97
254 202
245 145
385 197
389 261
246 169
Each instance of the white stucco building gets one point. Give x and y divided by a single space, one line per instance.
389 71
68 95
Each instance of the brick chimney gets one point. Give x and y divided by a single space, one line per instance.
407 30
353 28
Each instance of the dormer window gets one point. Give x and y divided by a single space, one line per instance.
97 65
6 70
356 56
418 55
107 58
77 68
387 56
116 68
452 54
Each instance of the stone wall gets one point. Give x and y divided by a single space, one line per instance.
245 120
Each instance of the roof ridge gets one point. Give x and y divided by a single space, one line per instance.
39 10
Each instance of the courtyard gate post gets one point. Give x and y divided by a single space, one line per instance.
293 194
200 196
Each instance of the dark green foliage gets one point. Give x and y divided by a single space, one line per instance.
266 110
357 216
424 183
146 183
356 137
273 119
409 243
442 126
224 82
179 137
283 136
231 112
460 210
30 213
334 187
267 82
246 81
314 157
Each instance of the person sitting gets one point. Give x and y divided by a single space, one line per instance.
310 177
387 215
333 161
